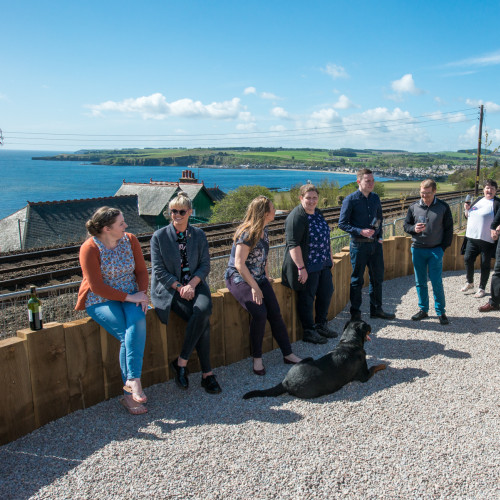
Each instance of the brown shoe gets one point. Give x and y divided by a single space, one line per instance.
488 307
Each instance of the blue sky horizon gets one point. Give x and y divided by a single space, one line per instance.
323 74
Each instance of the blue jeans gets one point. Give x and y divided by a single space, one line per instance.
429 261
366 254
127 322
319 286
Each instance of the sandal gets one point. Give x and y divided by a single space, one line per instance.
133 410
137 397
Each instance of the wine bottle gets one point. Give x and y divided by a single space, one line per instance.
35 310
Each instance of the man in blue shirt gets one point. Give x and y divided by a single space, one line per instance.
361 217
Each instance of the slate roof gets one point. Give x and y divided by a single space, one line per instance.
63 222
9 230
155 195
152 198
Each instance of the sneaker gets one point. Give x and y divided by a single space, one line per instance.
324 331
480 294
420 315
467 286
444 320
313 337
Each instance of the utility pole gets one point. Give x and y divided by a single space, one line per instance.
478 163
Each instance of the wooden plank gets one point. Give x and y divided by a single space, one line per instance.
46 350
17 415
217 348
345 278
459 261
110 349
236 328
154 367
389 249
449 256
84 363
284 295
409 269
336 304
401 256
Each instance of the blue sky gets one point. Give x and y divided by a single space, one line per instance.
330 74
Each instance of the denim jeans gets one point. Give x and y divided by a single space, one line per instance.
429 261
197 314
319 286
366 254
261 313
125 321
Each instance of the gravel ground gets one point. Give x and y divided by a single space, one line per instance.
427 427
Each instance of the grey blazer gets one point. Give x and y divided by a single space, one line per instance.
166 262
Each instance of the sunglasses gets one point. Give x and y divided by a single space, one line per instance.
182 213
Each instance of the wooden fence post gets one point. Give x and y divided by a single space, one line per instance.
48 368
236 328
17 416
84 363
110 348
217 324
154 367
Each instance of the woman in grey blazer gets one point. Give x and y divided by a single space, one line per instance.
180 265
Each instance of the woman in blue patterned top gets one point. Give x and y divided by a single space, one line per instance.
307 265
248 281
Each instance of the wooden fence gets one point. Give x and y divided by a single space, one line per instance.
49 373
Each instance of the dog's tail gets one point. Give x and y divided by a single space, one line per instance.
267 393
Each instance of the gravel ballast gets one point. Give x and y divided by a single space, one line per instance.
426 427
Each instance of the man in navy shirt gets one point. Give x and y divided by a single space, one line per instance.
361 217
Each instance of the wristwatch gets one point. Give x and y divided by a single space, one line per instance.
178 285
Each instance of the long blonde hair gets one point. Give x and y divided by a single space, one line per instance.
255 220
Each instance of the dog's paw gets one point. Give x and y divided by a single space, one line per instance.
380 367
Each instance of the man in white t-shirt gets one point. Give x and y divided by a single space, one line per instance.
480 238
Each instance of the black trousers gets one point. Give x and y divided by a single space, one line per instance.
472 250
197 314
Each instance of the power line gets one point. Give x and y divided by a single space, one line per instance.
413 120
273 135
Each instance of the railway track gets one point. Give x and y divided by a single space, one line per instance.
54 264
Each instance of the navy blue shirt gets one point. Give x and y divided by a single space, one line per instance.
358 212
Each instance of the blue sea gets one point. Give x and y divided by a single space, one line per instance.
24 179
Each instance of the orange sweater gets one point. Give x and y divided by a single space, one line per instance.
90 261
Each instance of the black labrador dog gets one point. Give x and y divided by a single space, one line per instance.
313 378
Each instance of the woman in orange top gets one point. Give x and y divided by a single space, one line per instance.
113 292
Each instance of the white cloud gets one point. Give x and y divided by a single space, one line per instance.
323 118
406 85
335 71
447 117
156 107
494 137
439 100
344 103
467 140
250 90
279 112
490 106
277 128
486 60
246 126
246 116
269 95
